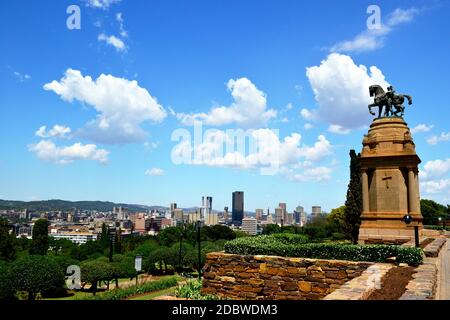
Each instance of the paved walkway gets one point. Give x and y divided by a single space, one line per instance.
443 289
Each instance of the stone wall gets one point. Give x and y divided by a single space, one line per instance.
270 277
424 282
360 288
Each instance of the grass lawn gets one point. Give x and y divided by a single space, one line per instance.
80 295
152 295
76 295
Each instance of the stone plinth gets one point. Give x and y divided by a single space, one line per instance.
389 172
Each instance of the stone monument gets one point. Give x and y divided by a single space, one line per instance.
389 174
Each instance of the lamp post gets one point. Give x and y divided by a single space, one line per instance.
199 251
408 219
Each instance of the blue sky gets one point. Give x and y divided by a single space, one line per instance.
293 73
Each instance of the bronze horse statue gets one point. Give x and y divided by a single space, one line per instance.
388 100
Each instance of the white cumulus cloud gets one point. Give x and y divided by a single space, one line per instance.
113 41
249 108
436 186
341 89
265 150
101 4
435 169
421 128
335 128
444 136
58 131
154 172
122 105
372 39
46 150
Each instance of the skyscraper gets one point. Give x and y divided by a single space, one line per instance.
258 214
238 207
300 216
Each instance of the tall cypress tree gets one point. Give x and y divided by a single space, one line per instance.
118 242
40 242
353 204
7 242
104 237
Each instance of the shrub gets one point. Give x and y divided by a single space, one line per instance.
37 274
7 291
192 290
269 245
289 238
123 293
436 227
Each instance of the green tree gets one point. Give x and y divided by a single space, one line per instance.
118 242
353 204
336 218
271 228
104 236
7 291
7 242
40 242
38 274
432 211
95 271
217 232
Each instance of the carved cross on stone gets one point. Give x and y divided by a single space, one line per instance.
386 179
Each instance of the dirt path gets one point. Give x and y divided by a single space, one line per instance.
393 284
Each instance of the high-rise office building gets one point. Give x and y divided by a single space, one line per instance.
316 211
258 214
173 206
280 216
282 205
249 225
300 216
238 207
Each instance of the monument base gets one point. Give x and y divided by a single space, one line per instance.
387 228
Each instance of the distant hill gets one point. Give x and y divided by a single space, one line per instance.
63 205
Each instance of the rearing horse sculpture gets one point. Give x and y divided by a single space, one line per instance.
388 100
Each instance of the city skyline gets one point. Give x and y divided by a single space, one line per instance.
270 69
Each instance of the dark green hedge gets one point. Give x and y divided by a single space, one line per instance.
436 227
269 245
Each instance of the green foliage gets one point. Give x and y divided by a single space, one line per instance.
217 232
336 219
64 261
271 229
60 246
7 291
37 274
269 245
436 227
192 290
40 243
118 242
97 270
123 266
104 236
123 293
7 242
90 249
353 204
431 211
289 238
